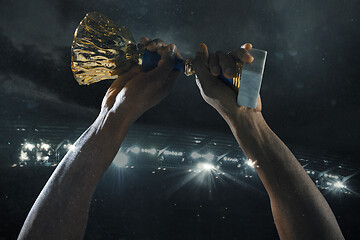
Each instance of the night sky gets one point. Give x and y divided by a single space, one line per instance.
310 86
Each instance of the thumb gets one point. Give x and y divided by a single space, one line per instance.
166 63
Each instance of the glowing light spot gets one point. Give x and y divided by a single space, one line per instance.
205 166
209 156
172 153
339 185
120 160
152 151
135 150
195 155
29 146
250 163
24 156
230 159
38 156
45 146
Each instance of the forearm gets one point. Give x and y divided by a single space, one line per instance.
299 209
60 211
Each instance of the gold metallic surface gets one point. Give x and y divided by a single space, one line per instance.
188 71
100 46
237 77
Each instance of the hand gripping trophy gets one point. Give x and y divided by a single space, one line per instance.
100 46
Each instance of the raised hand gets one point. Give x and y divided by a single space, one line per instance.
136 90
208 67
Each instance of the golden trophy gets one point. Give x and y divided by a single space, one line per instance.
100 46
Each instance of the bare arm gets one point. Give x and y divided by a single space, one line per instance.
299 209
61 210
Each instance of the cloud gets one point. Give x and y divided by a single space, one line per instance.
14 86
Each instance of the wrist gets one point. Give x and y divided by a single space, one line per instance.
242 117
246 124
113 124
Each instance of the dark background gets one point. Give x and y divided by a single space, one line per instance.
309 92
309 88
145 206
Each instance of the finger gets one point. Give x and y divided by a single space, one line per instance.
155 44
165 65
145 41
159 42
227 64
200 63
242 55
120 82
202 54
163 49
203 77
247 46
214 65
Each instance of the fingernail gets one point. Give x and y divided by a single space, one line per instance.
249 57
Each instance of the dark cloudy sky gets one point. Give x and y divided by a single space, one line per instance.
310 87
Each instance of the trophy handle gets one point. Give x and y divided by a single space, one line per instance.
151 59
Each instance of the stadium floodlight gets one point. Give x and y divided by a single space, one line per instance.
38 156
23 156
195 155
150 150
120 160
250 163
205 166
44 146
339 184
70 146
29 146
173 153
230 159
135 150
208 156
